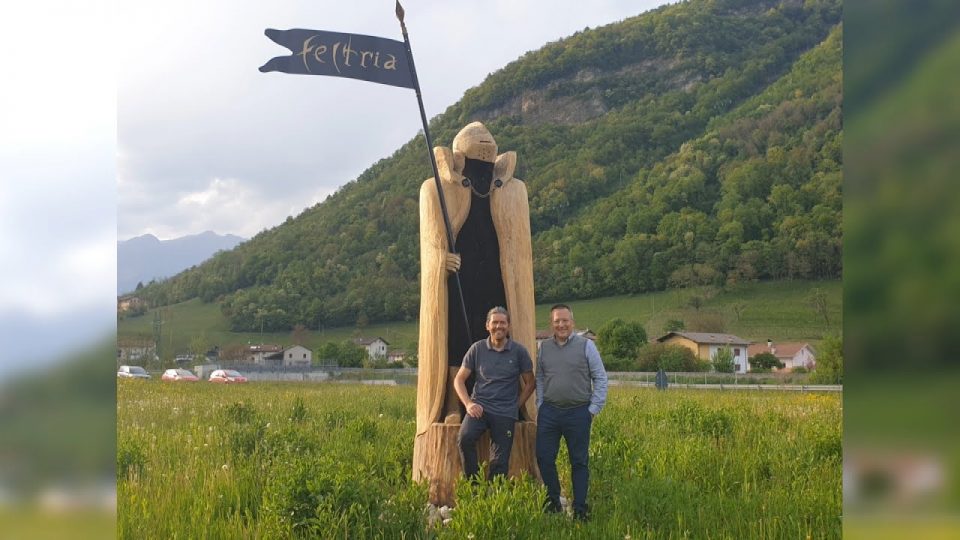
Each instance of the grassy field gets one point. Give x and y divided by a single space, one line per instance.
288 460
777 310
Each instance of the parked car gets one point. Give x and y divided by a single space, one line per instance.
178 374
227 376
132 372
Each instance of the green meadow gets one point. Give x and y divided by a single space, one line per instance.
777 310
300 460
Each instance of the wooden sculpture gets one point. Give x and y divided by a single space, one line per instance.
490 219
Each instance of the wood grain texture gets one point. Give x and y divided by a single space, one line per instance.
439 458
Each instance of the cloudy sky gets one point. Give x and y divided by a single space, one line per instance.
207 142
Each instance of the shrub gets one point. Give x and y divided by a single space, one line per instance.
621 339
722 360
668 357
829 368
612 363
765 361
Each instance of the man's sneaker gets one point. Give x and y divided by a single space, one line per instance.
551 506
581 514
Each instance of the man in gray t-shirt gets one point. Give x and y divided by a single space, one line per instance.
500 364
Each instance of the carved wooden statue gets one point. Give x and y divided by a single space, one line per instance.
490 218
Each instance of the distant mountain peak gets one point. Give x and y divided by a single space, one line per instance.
145 258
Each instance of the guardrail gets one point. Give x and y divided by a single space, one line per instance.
721 386
406 376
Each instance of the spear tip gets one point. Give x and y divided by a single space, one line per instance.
399 11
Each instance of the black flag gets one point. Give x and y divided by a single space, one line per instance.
368 58
316 52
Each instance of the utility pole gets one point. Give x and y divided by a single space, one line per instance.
157 332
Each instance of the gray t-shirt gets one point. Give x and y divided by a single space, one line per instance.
497 384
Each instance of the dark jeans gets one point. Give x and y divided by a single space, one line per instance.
574 426
501 442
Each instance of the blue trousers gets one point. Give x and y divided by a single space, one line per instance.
501 443
574 426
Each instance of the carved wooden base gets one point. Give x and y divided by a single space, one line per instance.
436 458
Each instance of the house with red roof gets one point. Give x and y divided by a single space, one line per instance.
792 354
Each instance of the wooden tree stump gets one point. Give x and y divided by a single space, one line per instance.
437 458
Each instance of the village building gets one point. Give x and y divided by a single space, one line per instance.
705 345
792 354
376 346
297 355
129 303
264 355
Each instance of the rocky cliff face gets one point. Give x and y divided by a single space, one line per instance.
536 107
556 103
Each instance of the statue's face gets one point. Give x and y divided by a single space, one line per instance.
480 173
498 326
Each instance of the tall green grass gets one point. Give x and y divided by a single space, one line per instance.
777 310
289 460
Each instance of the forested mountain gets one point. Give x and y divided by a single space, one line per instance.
696 143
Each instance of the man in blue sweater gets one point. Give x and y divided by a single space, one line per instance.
571 390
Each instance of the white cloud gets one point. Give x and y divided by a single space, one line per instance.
193 108
229 204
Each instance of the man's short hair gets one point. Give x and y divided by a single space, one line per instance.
561 306
497 309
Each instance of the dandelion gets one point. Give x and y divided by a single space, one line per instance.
225 467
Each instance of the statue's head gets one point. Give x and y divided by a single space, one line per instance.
473 159
475 142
